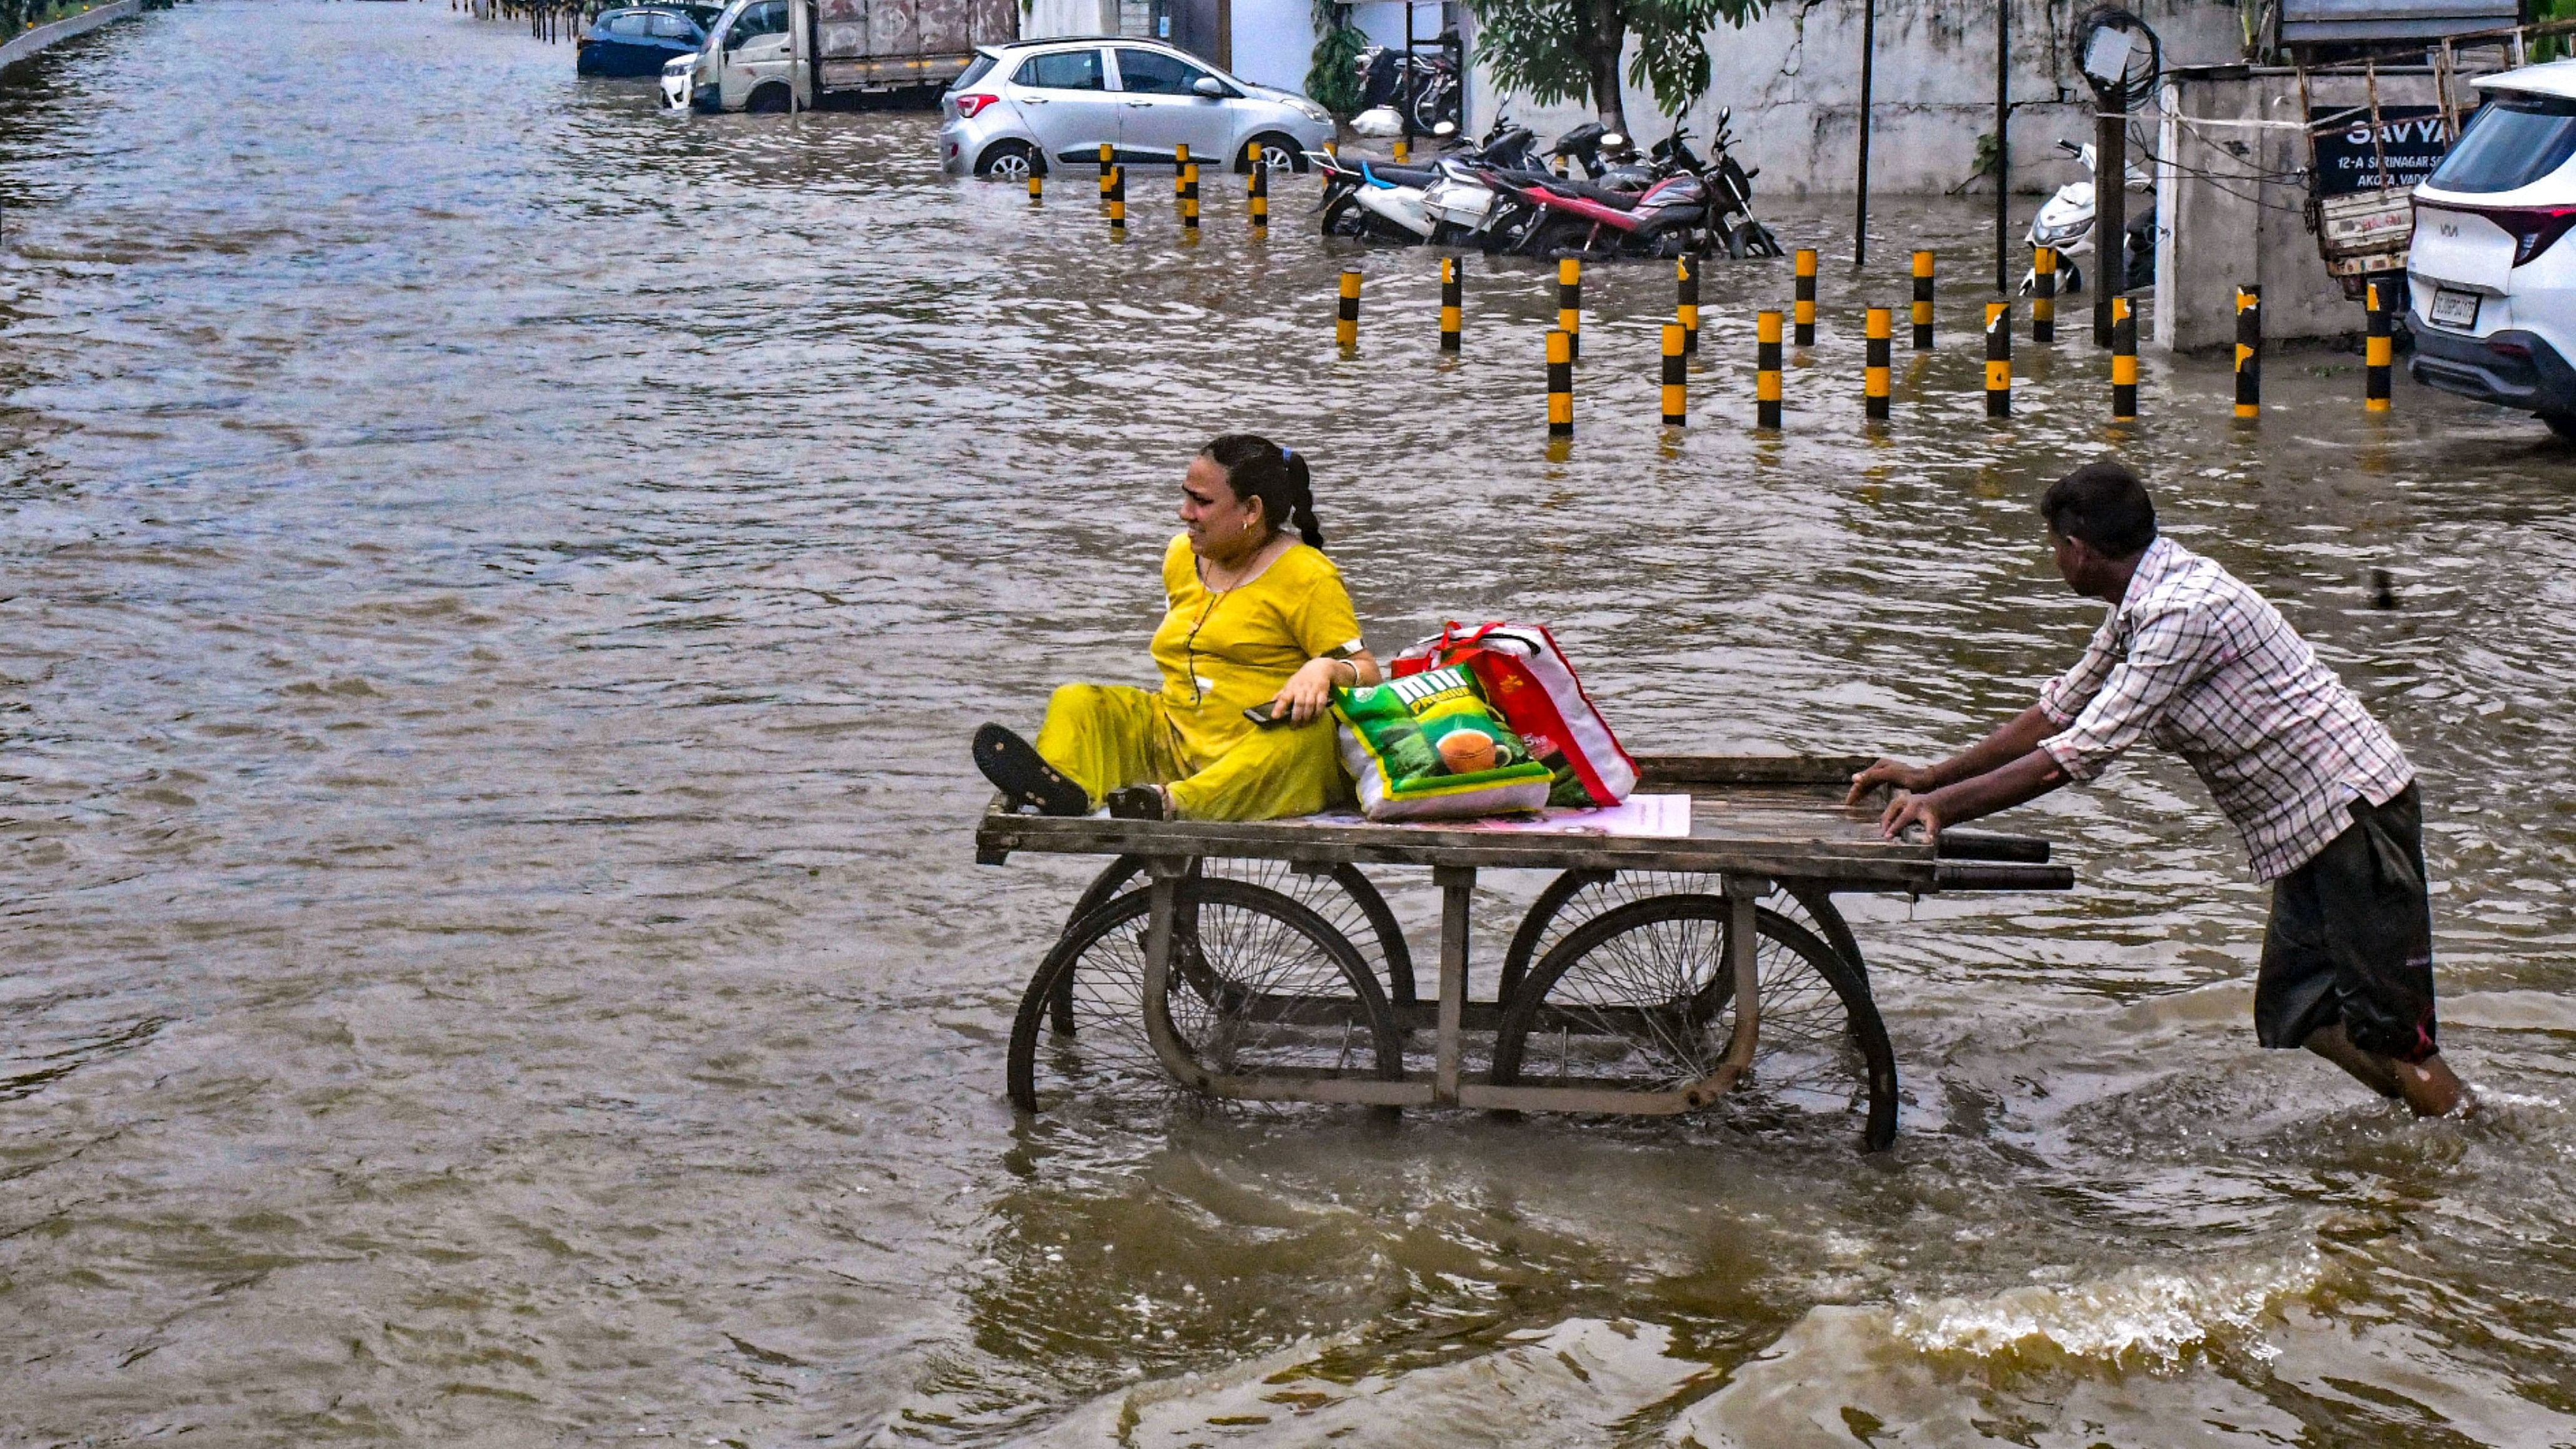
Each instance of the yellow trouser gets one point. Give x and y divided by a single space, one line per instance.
1104 737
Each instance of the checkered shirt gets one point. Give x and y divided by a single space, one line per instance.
2200 664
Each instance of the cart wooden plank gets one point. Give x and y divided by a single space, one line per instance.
1755 815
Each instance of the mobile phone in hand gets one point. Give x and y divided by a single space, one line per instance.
1262 715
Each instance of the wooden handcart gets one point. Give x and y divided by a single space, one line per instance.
1652 976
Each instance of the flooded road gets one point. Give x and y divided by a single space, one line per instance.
494 587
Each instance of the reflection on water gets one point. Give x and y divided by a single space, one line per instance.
494 585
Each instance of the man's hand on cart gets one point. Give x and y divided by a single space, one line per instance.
1905 810
1894 773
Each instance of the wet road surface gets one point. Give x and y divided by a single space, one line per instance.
494 586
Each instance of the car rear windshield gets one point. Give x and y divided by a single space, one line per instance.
2514 141
974 72
1065 70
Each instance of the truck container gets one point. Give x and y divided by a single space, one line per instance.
780 55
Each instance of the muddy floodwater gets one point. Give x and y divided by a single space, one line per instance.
494 587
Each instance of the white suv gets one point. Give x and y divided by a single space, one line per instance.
2493 291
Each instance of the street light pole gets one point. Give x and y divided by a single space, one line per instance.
2003 146
1860 215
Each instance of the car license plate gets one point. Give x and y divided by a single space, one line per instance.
2455 309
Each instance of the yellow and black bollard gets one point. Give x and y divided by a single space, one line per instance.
1403 153
1922 301
1878 331
1686 304
1117 203
1560 383
1998 359
1676 378
1108 164
1256 194
1802 315
1181 180
1452 303
2375 347
1037 188
2124 362
1569 304
1346 323
2249 351
1190 199
2043 295
1766 370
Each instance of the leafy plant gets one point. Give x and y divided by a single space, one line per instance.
1332 79
1568 50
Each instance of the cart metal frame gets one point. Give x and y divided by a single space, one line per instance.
1756 821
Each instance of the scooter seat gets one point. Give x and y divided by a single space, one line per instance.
1593 191
1404 175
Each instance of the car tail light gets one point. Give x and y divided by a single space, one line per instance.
969 106
2533 228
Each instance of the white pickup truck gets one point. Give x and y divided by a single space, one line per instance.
782 55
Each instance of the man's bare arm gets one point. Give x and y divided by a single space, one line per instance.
2011 740
2026 779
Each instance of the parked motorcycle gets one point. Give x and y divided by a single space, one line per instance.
1422 84
1583 218
1731 223
2065 223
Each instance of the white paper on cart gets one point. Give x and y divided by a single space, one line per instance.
1646 817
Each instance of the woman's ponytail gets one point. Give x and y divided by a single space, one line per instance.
1256 467
1301 500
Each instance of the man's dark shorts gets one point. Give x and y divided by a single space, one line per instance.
2351 939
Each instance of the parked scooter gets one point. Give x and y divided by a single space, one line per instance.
1364 198
2065 223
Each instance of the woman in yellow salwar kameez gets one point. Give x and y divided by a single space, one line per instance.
1256 617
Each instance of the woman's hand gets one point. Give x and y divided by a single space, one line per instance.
1310 689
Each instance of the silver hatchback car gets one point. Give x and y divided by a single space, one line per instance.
1026 106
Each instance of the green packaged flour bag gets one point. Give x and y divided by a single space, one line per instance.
1428 747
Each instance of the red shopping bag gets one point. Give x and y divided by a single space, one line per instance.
1528 678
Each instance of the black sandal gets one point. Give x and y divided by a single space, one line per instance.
1024 777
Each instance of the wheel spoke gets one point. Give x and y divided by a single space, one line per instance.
1259 982
1640 996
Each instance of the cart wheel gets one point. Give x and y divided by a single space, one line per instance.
1260 982
1345 899
1638 999
1578 895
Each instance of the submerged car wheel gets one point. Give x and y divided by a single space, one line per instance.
2563 424
1011 161
1280 153
769 100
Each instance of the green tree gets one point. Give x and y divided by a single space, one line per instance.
1568 50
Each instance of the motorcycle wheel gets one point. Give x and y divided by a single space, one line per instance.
1346 217
1761 242
1431 102
1554 236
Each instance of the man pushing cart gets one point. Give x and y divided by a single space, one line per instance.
2196 661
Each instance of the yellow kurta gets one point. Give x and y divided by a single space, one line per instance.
1219 653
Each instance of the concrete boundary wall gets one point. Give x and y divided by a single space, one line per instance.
22 46
1793 81
2235 203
